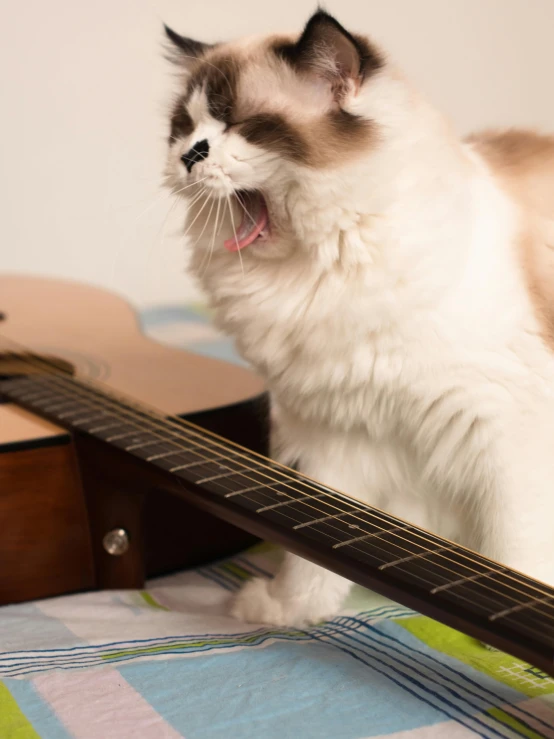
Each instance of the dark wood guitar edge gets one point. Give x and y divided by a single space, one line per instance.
42 442
165 534
497 635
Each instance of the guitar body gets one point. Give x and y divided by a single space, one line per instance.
73 515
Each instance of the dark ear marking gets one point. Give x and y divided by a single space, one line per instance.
187 49
328 50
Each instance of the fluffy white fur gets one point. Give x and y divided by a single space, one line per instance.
393 324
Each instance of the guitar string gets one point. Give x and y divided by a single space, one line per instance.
89 392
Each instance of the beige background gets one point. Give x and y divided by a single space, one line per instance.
83 91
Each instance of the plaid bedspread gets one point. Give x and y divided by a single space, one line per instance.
167 662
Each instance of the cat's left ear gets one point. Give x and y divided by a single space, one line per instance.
329 52
185 50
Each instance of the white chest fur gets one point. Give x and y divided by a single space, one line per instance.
403 371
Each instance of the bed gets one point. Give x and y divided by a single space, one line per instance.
167 661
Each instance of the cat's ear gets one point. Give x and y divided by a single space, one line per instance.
185 51
329 52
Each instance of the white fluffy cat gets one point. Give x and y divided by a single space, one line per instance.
391 283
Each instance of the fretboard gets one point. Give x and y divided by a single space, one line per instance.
370 545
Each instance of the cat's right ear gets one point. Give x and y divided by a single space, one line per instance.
185 51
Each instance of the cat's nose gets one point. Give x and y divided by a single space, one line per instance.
198 152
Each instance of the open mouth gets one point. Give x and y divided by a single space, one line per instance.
254 226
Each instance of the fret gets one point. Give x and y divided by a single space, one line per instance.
532 620
442 568
528 587
462 580
168 457
162 455
265 496
77 410
142 444
337 529
138 442
117 437
319 520
116 425
488 600
288 502
247 490
246 477
26 397
104 427
520 607
86 419
389 545
342 518
289 490
413 556
50 408
244 470
524 591
298 508
494 590
190 465
146 447
483 595
364 537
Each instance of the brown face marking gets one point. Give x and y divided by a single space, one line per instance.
272 132
218 76
350 130
181 122
340 137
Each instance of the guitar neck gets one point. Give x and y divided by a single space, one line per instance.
434 576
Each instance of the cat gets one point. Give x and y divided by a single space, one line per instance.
393 284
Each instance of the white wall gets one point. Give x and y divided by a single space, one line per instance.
83 89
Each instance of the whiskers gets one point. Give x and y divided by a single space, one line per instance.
224 210
215 232
235 233
245 209
204 211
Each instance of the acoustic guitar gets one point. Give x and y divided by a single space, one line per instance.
121 459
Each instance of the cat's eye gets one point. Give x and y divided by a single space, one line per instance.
233 124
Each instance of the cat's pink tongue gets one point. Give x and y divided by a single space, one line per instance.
253 225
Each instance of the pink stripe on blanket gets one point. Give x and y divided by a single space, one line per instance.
100 703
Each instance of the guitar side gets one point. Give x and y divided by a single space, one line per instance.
57 500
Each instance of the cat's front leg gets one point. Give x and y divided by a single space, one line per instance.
513 519
301 593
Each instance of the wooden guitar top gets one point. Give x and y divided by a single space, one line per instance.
99 335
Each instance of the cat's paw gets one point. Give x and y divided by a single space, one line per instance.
254 603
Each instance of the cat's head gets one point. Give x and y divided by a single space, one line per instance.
256 120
